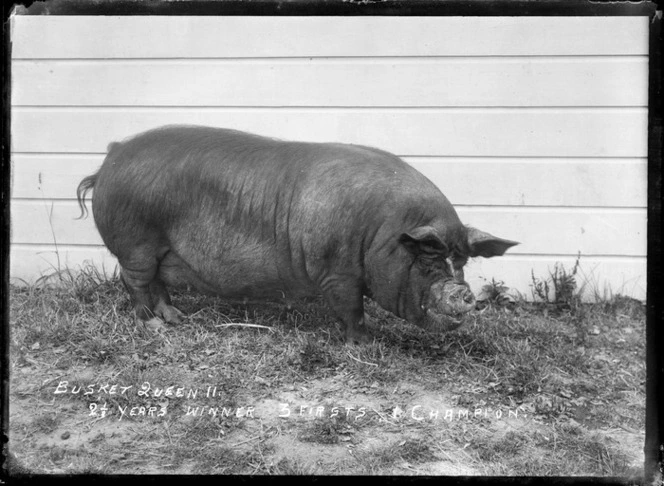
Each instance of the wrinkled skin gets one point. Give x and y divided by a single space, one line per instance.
240 215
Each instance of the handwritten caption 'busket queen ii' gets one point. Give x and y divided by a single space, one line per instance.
146 390
151 408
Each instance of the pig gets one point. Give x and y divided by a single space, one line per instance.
246 216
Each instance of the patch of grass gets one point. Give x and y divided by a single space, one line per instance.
322 432
215 459
415 451
565 448
198 431
289 467
314 355
74 461
411 451
492 449
45 423
557 365
330 429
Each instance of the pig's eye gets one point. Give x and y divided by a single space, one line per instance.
456 268
458 262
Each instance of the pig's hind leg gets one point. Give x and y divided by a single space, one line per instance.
136 276
163 307
140 274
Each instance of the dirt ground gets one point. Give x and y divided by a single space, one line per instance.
290 429
519 391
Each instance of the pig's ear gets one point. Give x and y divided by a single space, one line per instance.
423 239
486 245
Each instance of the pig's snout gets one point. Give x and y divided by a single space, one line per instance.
461 300
447 302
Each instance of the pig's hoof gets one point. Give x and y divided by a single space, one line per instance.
153 325
357 336
168 313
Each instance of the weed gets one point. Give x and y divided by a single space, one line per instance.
560 287
496 293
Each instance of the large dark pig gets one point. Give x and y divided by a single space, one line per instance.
240 215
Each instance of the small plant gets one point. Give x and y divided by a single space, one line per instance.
560 287
496 293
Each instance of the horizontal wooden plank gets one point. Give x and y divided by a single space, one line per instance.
541 231
615 132
539 182
31 262
50 176
598 276
84 37
465 181
600 81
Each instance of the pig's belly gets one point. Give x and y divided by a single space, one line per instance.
235 276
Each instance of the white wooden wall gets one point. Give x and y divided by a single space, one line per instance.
534 127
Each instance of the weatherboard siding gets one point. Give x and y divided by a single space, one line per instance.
535 128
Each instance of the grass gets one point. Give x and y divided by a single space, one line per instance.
289 397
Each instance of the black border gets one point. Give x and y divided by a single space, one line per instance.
654 453
343 7
5 195
654 443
